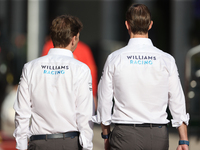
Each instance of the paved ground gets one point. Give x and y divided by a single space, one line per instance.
173 140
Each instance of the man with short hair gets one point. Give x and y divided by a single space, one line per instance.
144 81
55 92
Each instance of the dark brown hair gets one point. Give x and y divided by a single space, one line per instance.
63 29
138 17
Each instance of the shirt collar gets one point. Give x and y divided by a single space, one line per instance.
140 41
60 51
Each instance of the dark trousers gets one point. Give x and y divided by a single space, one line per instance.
55 144
125 137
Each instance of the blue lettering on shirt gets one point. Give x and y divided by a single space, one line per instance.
54 72
54 69
141 62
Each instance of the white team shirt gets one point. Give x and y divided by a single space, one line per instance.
143 81
56 92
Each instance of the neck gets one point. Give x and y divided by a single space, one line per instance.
138 35
69 47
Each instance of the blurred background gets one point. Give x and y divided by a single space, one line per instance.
24 30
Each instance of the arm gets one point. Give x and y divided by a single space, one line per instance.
177 106
105 95
182 130
177 99
84 54
105 103
85 109
22 107
106 131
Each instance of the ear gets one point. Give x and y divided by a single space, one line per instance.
127 25
151 24
73 40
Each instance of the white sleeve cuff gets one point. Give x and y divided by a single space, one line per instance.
22 144
106 123
185 119
87 145
96 119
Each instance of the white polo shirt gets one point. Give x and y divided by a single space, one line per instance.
143 81
56 91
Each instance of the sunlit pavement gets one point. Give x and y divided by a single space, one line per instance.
173 140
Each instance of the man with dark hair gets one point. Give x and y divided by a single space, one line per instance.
55 95
144 81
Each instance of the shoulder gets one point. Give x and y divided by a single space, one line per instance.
116 54
31 65
80 69
35 61
79 65
163 54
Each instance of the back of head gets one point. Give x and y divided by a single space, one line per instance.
63 29
138 17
